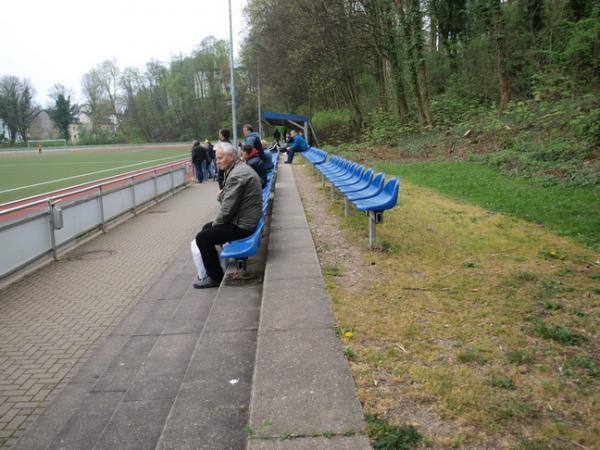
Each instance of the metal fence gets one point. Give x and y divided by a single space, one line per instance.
35 230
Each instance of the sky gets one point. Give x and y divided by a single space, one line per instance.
57 41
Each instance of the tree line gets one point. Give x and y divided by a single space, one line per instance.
352 63
408 59
185 99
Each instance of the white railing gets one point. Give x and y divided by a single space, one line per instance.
36 230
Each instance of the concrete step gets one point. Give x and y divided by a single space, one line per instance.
303 394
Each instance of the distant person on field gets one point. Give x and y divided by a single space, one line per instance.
250 155
253 139
298 144
241 209
40 147
199 157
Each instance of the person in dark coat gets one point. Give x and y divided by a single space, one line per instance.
199 158
277 135
211 163
250 155
253 139
224 134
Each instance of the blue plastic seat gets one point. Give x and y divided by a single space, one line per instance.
372 190
355 178
386 199
345 176
362 183
333 165
244 248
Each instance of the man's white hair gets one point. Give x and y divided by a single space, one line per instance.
226 147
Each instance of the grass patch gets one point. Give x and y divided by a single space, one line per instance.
559 333
333 270
472 356
498 381
391 437
568 210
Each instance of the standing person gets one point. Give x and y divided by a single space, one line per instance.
250 155
241 209
224 134
210 164
277 135
298 145
199 157
253 139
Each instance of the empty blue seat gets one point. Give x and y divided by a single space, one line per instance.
364 182
355 178
371 190
244 248
386 199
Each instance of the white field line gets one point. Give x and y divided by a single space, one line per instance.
70 163
85 175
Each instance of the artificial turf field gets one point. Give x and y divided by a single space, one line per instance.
31 173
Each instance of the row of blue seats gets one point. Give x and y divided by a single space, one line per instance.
361 186
243 249
366 190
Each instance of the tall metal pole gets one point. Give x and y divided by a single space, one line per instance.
233 119
260 131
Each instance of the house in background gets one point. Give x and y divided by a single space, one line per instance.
42 127
83 121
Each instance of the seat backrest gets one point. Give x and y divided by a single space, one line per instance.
378 181
392 186
367 175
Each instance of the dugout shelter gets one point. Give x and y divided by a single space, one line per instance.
292 121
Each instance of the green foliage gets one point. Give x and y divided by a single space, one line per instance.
102 136
62 114
385 128
472 356
391 437
334 126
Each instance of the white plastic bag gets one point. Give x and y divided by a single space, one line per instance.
197 257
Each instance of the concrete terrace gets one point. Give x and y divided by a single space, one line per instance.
111 347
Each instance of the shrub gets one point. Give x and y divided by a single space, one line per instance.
334 126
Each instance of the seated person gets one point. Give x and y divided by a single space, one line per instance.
250 155
253 139
298 145
241 209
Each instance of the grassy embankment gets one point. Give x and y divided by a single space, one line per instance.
488 321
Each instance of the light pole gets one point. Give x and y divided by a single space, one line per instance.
259 111
231 68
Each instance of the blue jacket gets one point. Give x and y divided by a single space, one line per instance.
253 139
299 144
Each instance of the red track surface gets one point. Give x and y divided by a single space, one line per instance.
39 202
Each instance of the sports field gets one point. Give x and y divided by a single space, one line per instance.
31 173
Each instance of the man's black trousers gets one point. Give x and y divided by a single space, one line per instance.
217 235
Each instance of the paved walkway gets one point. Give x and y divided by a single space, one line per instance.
180 368
51 321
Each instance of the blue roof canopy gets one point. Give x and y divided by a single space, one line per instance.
274 118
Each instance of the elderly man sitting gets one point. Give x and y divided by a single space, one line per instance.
241 209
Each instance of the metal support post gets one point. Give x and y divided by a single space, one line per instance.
132 186
172 182
372 232
102 219
52 235
155 186
345 207
332 192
